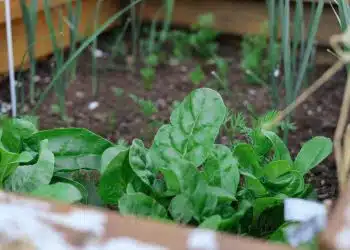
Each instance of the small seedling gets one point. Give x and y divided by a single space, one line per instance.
148 108
148 75
118 92
197 75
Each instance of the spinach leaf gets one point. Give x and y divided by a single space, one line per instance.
194 126
27 178
14 132
141 205
180 208
312 153
59 191
74 148
247 158
213 222
139 162
221 169
116 174
281 151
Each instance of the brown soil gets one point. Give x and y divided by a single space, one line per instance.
119 117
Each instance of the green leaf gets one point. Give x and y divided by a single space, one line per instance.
116 174
212 222
8 163
262 204
275 169
64 192
180 209
141 205
138 161
247 158
27 178
195 124
281 151
312 153
254 184
14 132
83 191
74 148
222 194
221 169
203 201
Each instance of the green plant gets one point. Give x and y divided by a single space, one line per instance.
200 41
221 73
254 57
197 75
148 75
296 52
183 177
28 166
187 178
148 108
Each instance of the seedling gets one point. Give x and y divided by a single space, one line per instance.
197 75
148 75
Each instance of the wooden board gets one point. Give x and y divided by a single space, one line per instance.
16 11
236 16
62 226
43 46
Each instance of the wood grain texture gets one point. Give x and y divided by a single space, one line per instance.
43 46
237 16
16 11
169 236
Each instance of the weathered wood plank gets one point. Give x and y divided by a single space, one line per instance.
236 17
16 11
43 46
61 226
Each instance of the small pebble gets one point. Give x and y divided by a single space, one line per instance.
183 69
252 92
97 53
319 109
161 103
93 105
36 78
47 79
310 112
80 94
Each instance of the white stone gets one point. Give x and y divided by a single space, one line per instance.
203 240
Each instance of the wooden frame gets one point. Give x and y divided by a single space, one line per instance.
43 46
105 227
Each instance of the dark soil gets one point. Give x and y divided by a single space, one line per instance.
119 117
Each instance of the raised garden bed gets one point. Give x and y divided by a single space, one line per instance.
43 46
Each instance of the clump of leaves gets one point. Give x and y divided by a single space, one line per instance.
254 53
30 160
197 75
199 41
147 107
183 177
187 178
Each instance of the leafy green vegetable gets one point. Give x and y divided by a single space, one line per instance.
184 176
59 191
142 205
74 148
312 153
195 124
27 178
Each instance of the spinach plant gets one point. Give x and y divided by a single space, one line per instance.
31 160
185 177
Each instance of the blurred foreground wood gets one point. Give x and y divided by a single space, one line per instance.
43 45
27 223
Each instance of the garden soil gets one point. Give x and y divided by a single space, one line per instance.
118 117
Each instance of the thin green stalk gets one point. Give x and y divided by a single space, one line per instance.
83 46
119 38
309 47
30 20
95 83
169 8
273 33
133 32
58 55
74 15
